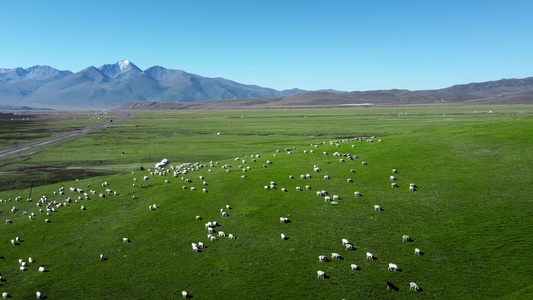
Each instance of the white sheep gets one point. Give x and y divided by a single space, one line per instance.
41 269
283 237
414 287
377 207
231 236
336 256
349 247
298 188
30 260
221 233
13 242
406 238
353 267
125 240
184 293
5 295
393 267
322 258
357 194
38 294
349 180
283 220
200 245
102 258
320 274
417 251
22 268
369 256
394 185
392 178
345 241
326 177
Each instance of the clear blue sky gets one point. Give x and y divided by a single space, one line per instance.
343 45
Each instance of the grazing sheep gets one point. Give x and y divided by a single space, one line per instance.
47 220
41 269
354 267
30 260
283 220
336 197
212 238
83 207
357 194
283 189
394 185
322 258
198 218
321 275
210 230
326 177
414 287
345 241
417 251
392 178
184 293
369 256
377 208
364 163
227 206
283 237
38 294
102 258
5 295
13 242
327 199
394 171
406 238
224 214
298 188
349 247
349 180
393 267
336 256
221 233
307 187
200 245
125 240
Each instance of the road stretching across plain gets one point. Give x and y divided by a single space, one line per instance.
122 117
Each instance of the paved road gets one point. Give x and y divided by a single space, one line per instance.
123 117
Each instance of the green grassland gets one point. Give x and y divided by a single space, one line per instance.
471 215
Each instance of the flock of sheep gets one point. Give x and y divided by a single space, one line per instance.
77 195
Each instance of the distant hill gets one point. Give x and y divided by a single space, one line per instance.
109 86
505 91
126 86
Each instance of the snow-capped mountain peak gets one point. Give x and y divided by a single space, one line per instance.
124 64
120 70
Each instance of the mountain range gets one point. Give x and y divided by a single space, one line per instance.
111 85
126 86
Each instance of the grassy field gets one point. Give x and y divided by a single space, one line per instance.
471 215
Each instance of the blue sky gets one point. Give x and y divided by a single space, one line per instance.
343 45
